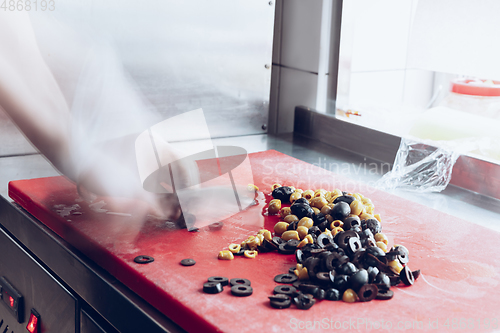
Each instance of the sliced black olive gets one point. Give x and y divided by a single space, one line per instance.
293 225
332 247
300 256
304 301
306 252
319 218
285 278
340 282
313 266
369 260
292 244
358 256
188 262
278 297
340 211
367 292
263 249
366 233
354 245
343 259
358 279
143 259
324 240
416 274
323 226
281 304
241 290
332 274
322 256
368 242
350 222
212 287
342 238
238 281
314 245
403 257
317 251
280 301
283 249
323 278
372 273
307 288
384 294
363 225
320 294
357 229
347 269
348 199
341 251
406 276
301 210
374 226
301 201
332 294
224 281
393 254
332 261
395 280
286 290
277 240
283 193
382 279
376 251
314 230
268 246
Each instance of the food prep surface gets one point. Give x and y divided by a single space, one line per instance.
458 284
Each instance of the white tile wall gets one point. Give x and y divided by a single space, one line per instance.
419 88
375 50
376 88
380 37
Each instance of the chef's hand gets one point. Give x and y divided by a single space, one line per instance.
32 98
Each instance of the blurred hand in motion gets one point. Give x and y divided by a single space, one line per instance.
31 96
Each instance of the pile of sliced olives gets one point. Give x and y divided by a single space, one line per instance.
343 255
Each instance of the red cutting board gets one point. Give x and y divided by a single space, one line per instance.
458 290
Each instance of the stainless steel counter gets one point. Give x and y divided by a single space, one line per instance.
455 201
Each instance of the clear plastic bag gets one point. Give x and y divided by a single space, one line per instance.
421 166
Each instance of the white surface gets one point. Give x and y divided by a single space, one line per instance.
418 88
383 88
380 36
442 123
456 36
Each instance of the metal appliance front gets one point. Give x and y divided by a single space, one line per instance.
55 305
